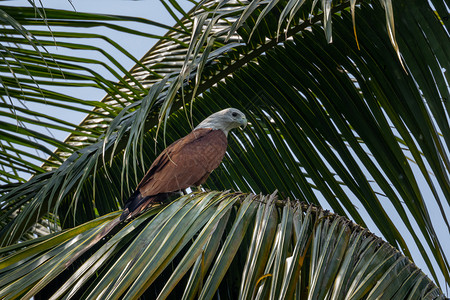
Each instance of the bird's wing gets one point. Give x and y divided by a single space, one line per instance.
185 163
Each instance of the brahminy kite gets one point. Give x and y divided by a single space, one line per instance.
186 162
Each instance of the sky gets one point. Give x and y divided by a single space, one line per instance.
138 46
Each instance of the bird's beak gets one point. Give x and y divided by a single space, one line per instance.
243 123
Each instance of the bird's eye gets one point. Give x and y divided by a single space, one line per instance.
234 114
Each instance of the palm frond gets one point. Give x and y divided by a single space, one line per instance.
203 244
34 74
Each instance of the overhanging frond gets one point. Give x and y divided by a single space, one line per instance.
35 75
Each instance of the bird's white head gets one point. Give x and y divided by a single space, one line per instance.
225 120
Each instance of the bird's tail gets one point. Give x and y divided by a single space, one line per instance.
105 230
137 203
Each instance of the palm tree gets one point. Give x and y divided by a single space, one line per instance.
359 125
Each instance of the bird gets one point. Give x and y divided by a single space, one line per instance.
187 162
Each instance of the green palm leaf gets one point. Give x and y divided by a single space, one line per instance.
27 73
282 249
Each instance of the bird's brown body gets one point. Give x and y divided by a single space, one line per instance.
186 162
